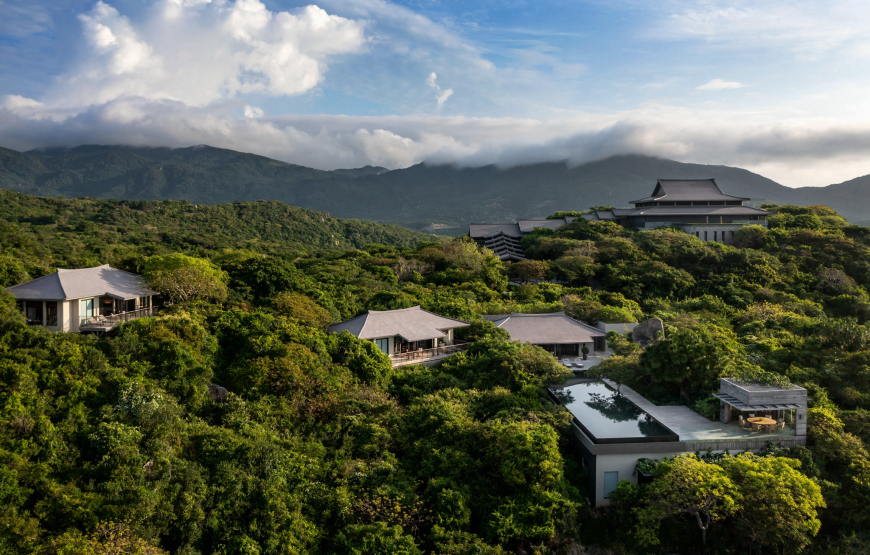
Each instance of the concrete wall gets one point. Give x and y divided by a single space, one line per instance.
624 465
618 328
764 395
719 233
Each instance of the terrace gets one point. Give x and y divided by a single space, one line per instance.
427 356
102 324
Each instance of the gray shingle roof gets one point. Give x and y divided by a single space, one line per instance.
412 324
546 329
687 189
527 226
696 211
479 231
86 282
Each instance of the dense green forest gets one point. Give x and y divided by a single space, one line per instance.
120 445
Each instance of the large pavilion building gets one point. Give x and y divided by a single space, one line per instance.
697 206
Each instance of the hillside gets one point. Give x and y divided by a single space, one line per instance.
425 197
85 231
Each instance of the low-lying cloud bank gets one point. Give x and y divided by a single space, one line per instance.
794 153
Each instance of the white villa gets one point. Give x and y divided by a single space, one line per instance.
86 300
615 426
555 332
408 335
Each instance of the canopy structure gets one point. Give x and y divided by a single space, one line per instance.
743 407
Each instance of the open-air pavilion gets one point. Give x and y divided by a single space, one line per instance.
763 407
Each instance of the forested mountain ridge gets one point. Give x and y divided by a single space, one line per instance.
81 232
444 197
321 447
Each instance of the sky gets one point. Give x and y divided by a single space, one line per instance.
779 88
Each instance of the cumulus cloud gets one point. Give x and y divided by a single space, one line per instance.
440 95
198 51
719 84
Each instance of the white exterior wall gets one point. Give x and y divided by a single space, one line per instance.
624 464
621 327
63 315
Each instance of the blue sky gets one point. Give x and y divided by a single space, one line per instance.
778 88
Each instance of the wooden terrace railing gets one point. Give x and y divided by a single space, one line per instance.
113 320
423 355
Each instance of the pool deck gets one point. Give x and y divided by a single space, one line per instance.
692 427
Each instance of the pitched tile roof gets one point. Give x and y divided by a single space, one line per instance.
546 329
686 190
411 324
86 282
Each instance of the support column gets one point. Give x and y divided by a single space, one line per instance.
800 423
724 412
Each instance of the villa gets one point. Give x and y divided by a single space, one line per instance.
408 335
614 426
94 300
697 206
555 332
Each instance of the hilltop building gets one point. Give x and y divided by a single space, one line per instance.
555 332
697 206
408 335
86 300
614 426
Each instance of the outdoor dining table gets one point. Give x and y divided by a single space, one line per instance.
759 421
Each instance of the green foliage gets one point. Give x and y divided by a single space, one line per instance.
185 278
687 486
320 446
299 308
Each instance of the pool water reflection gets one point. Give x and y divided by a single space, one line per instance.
604 415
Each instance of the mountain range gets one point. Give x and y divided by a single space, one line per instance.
436 198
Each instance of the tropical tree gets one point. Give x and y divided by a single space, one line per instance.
185 278
693 355
775 488
686 486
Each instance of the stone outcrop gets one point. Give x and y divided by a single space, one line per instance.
648 332
216 392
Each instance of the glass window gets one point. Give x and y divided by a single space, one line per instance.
87 308
33 312
50 313
610 481
383 345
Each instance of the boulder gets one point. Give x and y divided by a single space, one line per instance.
648 332
216 392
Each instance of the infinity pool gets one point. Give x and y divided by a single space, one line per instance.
607 417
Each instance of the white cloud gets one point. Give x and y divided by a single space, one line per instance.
253 111
197 52
440 95
719 84
796 153
808 28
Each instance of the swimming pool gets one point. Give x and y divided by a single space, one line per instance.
607 417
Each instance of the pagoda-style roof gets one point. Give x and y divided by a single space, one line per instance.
687 190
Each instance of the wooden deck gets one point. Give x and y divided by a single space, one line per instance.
427 356
108 323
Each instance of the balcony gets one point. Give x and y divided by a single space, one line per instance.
427 356
103 324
